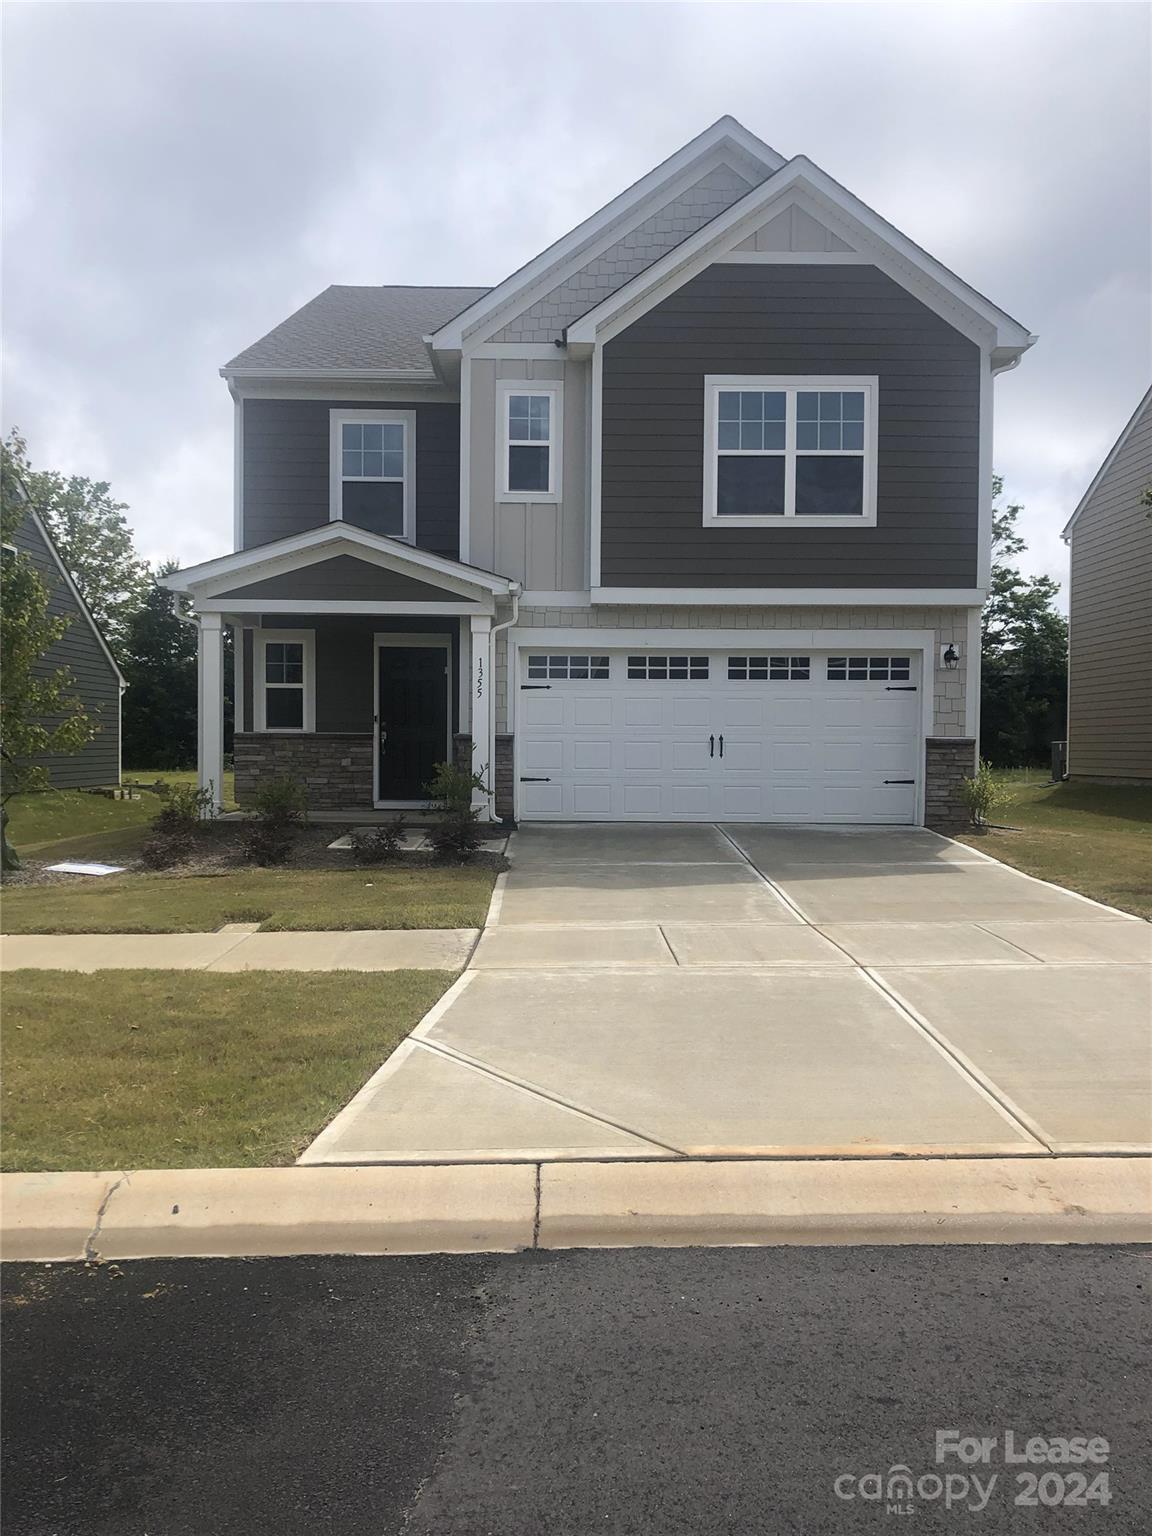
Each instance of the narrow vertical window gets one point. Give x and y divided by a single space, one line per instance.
528 466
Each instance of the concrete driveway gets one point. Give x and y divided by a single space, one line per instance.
695 991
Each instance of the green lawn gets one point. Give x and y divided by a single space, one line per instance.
155 1069
436 897
73 824
1093 838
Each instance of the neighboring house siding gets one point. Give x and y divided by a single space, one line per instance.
790 319
542 544
1110 604
696 206
94 679
286 473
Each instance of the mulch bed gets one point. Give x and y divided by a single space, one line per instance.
219 849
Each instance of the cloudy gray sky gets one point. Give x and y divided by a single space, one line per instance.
180 177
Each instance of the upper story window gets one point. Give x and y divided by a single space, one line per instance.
528 454
793 451
373 479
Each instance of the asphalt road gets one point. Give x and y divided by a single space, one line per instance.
643 1393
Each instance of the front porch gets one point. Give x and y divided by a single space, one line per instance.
360 664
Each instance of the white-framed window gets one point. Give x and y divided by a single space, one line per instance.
785 451
284 684
373 471
529 431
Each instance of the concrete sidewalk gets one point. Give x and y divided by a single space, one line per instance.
242 949
254 1212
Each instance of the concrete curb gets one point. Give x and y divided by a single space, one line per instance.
501 1208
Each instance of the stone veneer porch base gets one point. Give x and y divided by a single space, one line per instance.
948 760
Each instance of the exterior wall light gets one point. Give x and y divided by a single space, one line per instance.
950 657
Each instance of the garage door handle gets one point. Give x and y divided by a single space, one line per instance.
533 687
711 746
721 746
899 781
901 688
535 781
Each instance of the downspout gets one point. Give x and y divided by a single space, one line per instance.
514 590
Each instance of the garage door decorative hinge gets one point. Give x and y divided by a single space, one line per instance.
535 781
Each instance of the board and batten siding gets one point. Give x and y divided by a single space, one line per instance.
1110 620
287 467
94 678
785 320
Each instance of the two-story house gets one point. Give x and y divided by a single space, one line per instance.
687 519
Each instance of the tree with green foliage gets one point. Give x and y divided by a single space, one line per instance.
92 535
1024 654
158 657
39 712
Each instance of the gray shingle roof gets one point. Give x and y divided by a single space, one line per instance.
369 328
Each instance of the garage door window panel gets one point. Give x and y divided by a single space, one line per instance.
869 669
567 668
769 669
668 669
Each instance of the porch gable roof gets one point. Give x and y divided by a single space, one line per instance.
340 556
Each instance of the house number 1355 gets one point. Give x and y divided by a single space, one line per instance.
480 679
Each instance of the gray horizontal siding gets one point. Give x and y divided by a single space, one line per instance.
1110 607
790 320
94 679
286 468
342 577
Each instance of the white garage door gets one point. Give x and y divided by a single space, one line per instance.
718 736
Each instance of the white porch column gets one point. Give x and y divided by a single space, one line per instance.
482 739
210 705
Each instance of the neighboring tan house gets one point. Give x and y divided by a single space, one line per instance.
688 519
97 680
1110 615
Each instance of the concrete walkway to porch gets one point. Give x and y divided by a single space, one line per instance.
669 992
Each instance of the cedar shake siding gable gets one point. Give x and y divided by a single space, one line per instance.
287 468
94 679
784 320
343 578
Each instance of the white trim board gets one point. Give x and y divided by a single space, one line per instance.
728 639
332 605
789 597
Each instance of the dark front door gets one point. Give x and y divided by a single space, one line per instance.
411 718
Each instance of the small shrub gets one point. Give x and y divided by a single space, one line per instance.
185 807
379 845
281 808
455 837
163 850
267 844
982 794
281 802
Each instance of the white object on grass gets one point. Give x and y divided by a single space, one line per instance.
87 869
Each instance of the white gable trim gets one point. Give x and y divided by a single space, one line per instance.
1117 446
726 141
807 185
321 543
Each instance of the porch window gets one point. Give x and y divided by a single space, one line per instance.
284 674
373 479
790 451
528 455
